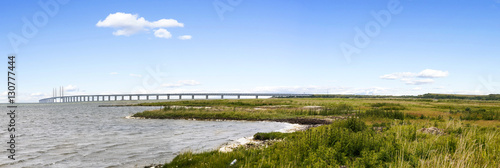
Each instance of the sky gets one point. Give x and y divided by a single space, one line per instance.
365 47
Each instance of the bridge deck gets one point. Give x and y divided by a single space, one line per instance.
161 96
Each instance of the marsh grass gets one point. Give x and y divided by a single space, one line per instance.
352 144
376 133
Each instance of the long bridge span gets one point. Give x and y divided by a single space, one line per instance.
165 96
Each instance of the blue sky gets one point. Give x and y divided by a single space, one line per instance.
253 46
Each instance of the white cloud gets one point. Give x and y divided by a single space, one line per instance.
162 33
185 37
128 24
181 83
136 75
411 78
71 88
320 90
417 88
398 75
430 73
417 81
427 73
113 73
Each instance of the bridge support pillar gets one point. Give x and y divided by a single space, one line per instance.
138 97
238 96
147 97
257 96
157 97
221 96
207 96
168 97
180 97
192 96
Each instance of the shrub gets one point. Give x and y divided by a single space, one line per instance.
269 136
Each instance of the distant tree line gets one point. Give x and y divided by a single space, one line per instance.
424 96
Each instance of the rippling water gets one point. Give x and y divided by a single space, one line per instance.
85 135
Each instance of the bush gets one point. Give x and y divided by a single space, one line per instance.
269 136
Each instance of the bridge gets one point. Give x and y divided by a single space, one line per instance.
167 96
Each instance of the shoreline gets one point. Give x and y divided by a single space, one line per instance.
229 146
301 121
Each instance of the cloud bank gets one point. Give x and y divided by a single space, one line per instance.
424 77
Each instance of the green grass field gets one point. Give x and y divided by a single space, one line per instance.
363 132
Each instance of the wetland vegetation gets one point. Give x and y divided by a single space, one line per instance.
359 132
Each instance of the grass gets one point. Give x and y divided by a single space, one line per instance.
269 136
352 143
274 109
381 132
